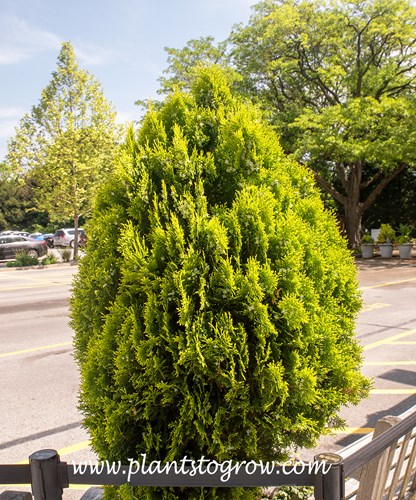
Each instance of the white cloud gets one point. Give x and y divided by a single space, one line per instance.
9 120
11 113
19 40
94 55
7 128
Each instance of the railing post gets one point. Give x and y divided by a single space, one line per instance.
329 481
48 477
375 473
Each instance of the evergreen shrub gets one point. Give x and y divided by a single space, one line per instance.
214 309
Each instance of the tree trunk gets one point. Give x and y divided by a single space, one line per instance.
353 185
76 236
352 206
353 216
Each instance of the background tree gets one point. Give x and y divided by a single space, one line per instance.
338 79
16 205
182 63
215 317
68 142
397 204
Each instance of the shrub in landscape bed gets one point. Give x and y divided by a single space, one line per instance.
23 260
214 309
65 254
49 259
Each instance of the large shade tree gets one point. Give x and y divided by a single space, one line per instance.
214 311
68 142
338 78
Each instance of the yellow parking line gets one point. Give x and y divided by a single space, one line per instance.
62 452
372 307
74 448
355 430
388 363
66 451
32 349
393 391
388 340
402 342
387 284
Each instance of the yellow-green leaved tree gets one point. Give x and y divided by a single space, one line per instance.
69 140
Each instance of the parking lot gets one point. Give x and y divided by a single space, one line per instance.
386 328
39 380
38 376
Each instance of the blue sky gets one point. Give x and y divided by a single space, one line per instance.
121 42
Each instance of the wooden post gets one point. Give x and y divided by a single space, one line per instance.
374 475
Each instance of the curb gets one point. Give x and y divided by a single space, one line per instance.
4 268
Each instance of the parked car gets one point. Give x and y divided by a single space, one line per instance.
12 244
82 240
36 236
48 238
16 233
65 237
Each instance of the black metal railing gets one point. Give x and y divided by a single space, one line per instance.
49 476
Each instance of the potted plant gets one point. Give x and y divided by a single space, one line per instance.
404 241
367 246
385 239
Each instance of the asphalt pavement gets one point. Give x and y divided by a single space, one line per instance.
386 329
37 368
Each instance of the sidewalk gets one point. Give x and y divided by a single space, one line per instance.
379 263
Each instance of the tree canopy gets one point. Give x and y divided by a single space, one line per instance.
182 63
214 314
16 205
339 79
68 141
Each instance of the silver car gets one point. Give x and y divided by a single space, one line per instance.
65 237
